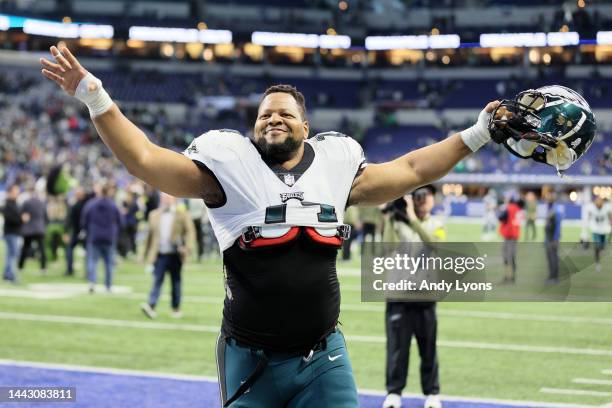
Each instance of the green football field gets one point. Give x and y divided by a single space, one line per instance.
548 352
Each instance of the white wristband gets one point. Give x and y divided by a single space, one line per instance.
478 135
91 93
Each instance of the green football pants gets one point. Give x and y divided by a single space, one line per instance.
286 379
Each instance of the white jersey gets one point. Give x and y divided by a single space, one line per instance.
256 196
599 219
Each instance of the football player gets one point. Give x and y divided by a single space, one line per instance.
599 215
276 204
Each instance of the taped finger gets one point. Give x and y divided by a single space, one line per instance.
60 58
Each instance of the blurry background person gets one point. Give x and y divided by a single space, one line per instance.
151 197
57 211
127 236
600 224
73 227
490 216
412 223
197 212
371 223
171 234
101 221
531 214
351 218
12 235
34 217
552 235
510 229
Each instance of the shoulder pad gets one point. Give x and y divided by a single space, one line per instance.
323 135
229 131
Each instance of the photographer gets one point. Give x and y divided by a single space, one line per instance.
409 220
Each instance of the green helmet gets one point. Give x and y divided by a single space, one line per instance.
552 124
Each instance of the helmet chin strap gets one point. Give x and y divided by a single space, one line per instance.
560 157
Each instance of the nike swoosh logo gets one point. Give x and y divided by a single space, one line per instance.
334 358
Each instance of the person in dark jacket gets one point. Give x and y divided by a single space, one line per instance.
12 236
552 236
34 217
73 227
101 221
127 236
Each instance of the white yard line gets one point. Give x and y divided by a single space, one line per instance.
349 307
356 338
105 370
108 322
490 315
591 381
186 377
607 372
565 391
495 346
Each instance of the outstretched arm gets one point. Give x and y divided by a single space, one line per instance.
162 168
381 183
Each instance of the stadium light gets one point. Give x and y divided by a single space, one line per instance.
302 40
67 30
163 34
5 23
181 35
562 39
513 40
96 31
287 39
412 42
444 41
604 37
552 39
334 41
215 36
50 29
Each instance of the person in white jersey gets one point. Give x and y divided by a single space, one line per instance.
599 216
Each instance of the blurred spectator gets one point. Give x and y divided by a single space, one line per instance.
600 224
171 233
552 235
371 222
197 212
351 218
101 221
12 233
531 214
73 227
408 220
56 214
34 217
490 207
510 220
127 237
151 200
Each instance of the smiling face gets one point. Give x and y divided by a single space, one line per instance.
280 128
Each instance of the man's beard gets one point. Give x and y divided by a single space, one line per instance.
278 153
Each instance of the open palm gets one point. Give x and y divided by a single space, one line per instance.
66 71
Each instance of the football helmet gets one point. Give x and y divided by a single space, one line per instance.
552 124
